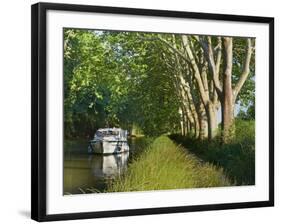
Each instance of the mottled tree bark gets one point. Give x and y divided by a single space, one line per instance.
227 98
212 121
203 122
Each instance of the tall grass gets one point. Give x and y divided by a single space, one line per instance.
164 165
236 158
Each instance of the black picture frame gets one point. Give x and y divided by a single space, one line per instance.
38 108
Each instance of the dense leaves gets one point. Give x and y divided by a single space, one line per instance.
141 81
115 79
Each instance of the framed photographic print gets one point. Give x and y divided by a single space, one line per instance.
139 111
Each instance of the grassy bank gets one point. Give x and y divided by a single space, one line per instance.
164 165
236 158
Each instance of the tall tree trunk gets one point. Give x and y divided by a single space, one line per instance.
196 129
188 128
203 123
212 121
228 102
182 121
186 91
196 118
190 102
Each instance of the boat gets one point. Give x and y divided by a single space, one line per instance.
109 141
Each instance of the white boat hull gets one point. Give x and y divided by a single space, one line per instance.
108 147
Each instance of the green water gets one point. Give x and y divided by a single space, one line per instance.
90 173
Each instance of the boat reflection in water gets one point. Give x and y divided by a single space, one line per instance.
108 166
83 173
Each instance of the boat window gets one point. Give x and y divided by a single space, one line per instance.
99 134
106 133
112 133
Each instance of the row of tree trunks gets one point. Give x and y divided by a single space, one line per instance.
227 94
209 105
194 61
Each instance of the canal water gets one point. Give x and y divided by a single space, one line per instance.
90 173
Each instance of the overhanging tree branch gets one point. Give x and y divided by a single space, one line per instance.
214 66
245 71
171 47
203 94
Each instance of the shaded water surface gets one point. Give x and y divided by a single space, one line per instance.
89 173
